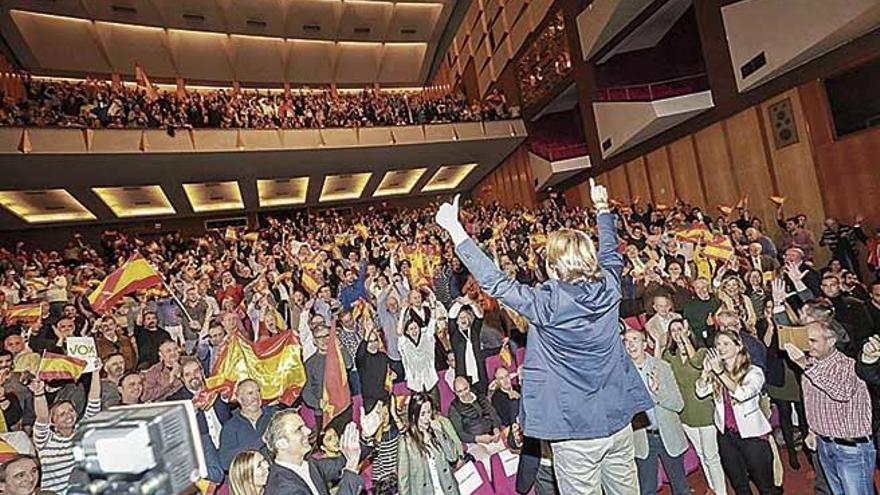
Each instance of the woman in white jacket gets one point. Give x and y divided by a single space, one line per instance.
743 430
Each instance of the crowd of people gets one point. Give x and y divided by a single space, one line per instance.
728 326
99 104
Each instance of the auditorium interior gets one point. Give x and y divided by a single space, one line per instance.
152 119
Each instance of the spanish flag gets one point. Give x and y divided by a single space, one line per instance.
721 248
695 233
60 367
6 451
337 397
275 363
23 312
135 274
144 80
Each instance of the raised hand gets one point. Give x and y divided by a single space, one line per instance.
370 422
795 354
350 446
447 214
778 289
598 194
871 349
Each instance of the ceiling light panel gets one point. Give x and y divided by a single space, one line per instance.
282 192
214 196
342 187
399 182
449 177
135 201
45 206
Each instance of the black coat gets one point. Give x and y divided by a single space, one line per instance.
283 481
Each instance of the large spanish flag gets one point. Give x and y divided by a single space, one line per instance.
275 363
135 274
337 396
23 313
60 367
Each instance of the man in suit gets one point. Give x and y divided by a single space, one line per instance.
664 438
295 472
210 414
208 348
797 268
760 261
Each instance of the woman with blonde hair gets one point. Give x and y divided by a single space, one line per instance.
248 473
580 389
743 430
733 297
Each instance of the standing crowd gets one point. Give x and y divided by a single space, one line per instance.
732 334
102 104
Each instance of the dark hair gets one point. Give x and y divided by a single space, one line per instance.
672 347
422 440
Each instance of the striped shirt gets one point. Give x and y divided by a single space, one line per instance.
56 452
385 457
836 401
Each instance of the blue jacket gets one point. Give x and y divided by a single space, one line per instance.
578 382
238 435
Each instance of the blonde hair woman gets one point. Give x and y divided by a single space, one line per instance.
579 387
735 384
248 473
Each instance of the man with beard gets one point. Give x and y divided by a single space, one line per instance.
149 336
211 413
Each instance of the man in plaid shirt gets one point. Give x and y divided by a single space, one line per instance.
838 409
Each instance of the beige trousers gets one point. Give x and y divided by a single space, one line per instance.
587 467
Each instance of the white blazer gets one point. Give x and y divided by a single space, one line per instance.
750 420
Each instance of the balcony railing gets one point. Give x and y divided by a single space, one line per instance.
558 151
655 90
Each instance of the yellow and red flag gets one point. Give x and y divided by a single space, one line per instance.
136 274
721 248
6 451
60 367
23 313
337 396
144 80
695 233
274 362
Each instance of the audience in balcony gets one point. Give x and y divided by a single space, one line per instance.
101 104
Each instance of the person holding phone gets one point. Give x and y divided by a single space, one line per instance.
580 389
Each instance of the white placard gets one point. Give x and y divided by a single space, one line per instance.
83 348
510 461
469 480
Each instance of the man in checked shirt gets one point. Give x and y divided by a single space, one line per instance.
838 409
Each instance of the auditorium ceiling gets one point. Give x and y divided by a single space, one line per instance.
71 176
254 42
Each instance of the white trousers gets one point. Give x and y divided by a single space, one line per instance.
587 467
705 442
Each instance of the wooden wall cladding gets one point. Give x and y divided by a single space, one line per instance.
511 183
737 157
846 167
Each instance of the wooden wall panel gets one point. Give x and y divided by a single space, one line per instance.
686 172
639 186
844 162
714 162
794 167
511 183
618 185
750 159
660 176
